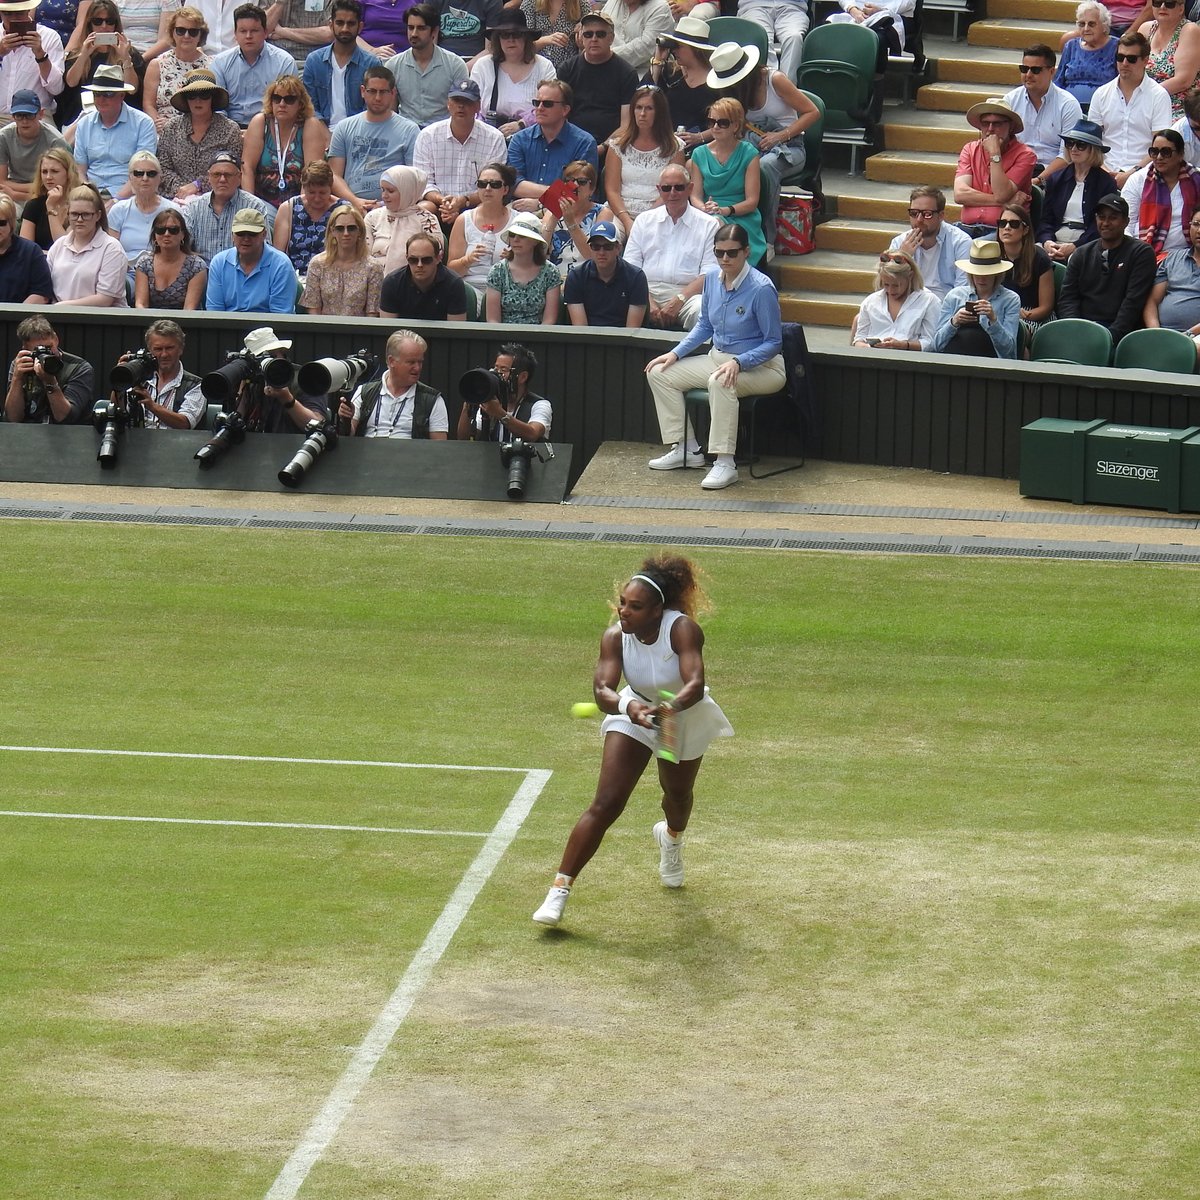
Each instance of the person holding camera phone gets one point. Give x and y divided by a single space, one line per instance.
31 58
902 314
105 43
981 317
46 385
169 395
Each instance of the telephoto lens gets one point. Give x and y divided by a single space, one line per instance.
321 437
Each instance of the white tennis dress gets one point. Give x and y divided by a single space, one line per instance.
651 669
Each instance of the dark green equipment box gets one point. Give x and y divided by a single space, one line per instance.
1093 462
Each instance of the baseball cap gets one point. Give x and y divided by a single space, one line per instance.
248 220
25 103
606 231
225 157
467 89
1117 203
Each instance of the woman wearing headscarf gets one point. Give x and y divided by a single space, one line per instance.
391 224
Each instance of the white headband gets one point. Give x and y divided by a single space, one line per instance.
647 579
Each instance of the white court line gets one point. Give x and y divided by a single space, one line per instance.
461 833
338 1104
312 762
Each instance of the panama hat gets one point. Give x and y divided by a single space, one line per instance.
731 64
524 225
997 108
985 259
15 6
691 31
200 82
109 78
263 341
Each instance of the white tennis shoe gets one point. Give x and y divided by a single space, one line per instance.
670 856
552 907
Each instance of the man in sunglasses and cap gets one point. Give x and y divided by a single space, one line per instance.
251 276
1109 280
109 136
993 170
31 58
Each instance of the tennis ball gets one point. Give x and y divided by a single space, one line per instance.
585 709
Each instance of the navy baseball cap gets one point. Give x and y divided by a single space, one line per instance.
468 89
606 231
25 103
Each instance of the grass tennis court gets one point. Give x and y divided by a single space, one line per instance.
938 938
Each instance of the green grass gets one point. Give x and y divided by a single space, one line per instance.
938 938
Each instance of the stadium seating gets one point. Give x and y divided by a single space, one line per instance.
1157 350
1073 341
837 63
738 29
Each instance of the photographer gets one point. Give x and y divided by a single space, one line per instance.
170 396
278 409
35 392
398 404
516 412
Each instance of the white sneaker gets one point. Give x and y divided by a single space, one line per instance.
552 907
670 856
677 457
721 476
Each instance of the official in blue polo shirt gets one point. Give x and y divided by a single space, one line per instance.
539 154
604 290
252 276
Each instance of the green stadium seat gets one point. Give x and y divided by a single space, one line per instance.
1157 350
838 64
1073 340
738 29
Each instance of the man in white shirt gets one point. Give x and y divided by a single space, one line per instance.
1047 111
399 405
31 59
673 245
1188 127
932 243
1130 109
454 151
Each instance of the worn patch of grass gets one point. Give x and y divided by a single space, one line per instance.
938 937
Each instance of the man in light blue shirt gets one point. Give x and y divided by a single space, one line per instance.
365 146
247 70
108 137
539 153
931 243
334 74
1048 111
251 276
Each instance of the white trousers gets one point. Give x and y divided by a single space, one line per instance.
668 385
786 21
689 313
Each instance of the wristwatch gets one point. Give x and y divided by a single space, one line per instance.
995 158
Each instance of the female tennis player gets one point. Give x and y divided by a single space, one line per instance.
658 646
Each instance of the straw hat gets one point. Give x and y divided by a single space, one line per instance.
200 82
731 64
109 78
995 107
691 31
985 259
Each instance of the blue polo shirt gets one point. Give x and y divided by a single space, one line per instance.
539 161
24 272
607 304
743 320
270 287
104 151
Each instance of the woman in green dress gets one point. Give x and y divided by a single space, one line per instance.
725 174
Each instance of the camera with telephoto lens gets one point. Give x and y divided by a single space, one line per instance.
516 455
109 419
221 385
137 367
230 431
322 436
51 360
326 376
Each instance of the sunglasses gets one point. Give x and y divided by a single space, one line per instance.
544 103
345 229
576 179
1070 145
1128 58
277 99
96 22
723 253
594 33
923 214
1029 70
169 229
673 187
1165 3
489 183
144 173
1009 223
4 222
893 258
421 260
187 31
602 245
1161 151
718 122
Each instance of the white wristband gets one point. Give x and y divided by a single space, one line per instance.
623 705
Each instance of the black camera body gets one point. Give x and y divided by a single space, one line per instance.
51 360
137 368
109 419
230 431
322 436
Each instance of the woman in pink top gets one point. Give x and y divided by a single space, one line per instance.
87 264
